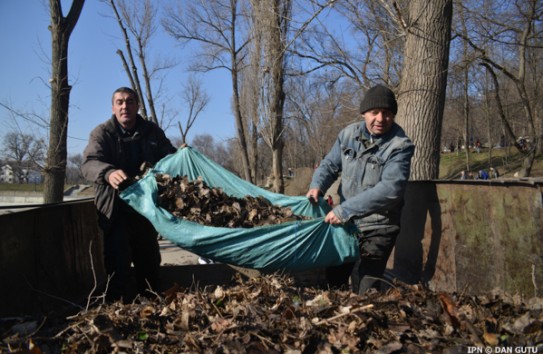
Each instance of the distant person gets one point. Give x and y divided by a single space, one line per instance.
523 144
483 175
373 158
290 172
463 174
116 150
493 173
478 146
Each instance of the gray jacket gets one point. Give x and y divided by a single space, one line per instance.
373 178
104 154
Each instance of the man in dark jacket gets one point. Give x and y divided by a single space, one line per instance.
116 150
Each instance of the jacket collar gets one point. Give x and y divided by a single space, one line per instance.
377 139
115 127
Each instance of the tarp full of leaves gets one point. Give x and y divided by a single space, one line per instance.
195 201
295 245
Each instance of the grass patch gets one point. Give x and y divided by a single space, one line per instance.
506 160
21 187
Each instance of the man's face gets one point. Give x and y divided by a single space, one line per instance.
125 109
378 120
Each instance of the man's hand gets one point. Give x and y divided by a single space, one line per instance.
313 195
116 178
331 218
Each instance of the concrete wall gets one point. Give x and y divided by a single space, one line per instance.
51 260
17 198
49 257
474 237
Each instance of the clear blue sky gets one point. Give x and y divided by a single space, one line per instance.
95 71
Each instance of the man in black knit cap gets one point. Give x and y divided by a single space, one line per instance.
373 158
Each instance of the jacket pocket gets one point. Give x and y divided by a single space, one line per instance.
372 171
352 171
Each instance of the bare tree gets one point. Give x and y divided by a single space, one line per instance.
420 30
215 24
376 57
137 21
423 82
129 66
196 99
213 150
55 166
24 152
31 117
317 111
507 50
250 79
272 18
467 65
73 173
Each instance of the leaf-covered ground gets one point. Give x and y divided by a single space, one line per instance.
268 314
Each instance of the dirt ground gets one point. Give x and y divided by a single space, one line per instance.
299 184
174 255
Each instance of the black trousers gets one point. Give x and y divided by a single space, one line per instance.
367 272
131 238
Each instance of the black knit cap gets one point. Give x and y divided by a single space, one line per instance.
379 97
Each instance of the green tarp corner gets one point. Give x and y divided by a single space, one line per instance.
297 245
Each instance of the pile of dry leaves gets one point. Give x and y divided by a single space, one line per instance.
268 314
195 201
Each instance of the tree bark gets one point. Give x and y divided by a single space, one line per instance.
55 164
465 54
252 78
277 40
242 135
239 120
273 18
424 80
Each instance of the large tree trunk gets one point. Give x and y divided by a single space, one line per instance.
466 107
251 85
277 39
424 80
242 135
55 164
273 17
239 124
466 83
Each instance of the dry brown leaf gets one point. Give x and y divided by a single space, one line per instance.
147 311
269 314
450 309
195 201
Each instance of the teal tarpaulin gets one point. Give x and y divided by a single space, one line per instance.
296 245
